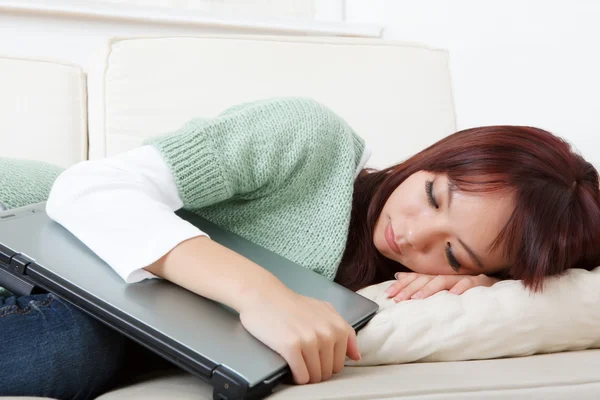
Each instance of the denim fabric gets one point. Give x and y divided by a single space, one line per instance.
50 348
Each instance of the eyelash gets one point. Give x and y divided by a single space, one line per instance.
430 196
454 264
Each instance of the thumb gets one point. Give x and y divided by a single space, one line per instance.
352 349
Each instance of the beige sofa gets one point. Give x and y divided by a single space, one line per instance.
398 96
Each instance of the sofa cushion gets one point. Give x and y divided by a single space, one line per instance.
505 320
396 95
42 111
557 376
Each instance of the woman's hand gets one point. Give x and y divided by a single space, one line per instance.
309 334
411 285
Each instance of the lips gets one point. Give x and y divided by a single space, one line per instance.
389 237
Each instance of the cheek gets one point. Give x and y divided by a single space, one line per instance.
405 205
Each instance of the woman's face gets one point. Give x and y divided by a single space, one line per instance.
431 228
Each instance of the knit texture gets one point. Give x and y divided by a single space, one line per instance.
279 172
24 182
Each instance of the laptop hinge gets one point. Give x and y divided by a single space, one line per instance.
12 272
19 263
6 254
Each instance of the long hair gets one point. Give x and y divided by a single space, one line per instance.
555 224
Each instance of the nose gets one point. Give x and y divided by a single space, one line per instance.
424 232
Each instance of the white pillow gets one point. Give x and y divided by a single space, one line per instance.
505 320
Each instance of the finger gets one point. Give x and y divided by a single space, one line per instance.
462 286
310 352
404 281
400 275
326 354
339 354
437 284
296 362
342 347
413 288
352 351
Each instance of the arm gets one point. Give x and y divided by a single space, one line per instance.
308 333
205 267
122 208
125 215
128 220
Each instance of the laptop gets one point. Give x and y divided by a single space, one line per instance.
201 336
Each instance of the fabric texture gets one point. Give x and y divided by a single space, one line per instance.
560 376
50 348
278 172
505 320
24 182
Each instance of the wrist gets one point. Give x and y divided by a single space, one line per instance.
257 292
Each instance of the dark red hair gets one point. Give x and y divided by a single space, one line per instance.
556 221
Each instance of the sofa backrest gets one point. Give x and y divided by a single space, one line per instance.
396 95
43 112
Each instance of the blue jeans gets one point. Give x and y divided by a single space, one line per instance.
50 348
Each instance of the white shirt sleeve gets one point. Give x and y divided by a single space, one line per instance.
122 208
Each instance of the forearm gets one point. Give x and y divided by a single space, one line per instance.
209 269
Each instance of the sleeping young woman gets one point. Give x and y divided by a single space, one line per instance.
480 205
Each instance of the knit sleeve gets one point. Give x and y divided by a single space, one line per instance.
24 182
248 150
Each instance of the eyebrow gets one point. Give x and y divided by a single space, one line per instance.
452 189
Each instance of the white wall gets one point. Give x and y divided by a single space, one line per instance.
525 62
75 31
258 8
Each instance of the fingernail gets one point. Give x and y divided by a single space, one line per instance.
400 297
396 275
417 295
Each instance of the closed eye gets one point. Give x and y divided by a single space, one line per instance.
430 196
454 264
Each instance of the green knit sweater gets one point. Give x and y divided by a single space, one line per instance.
24 182
278 172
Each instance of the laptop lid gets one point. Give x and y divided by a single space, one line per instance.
201 336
